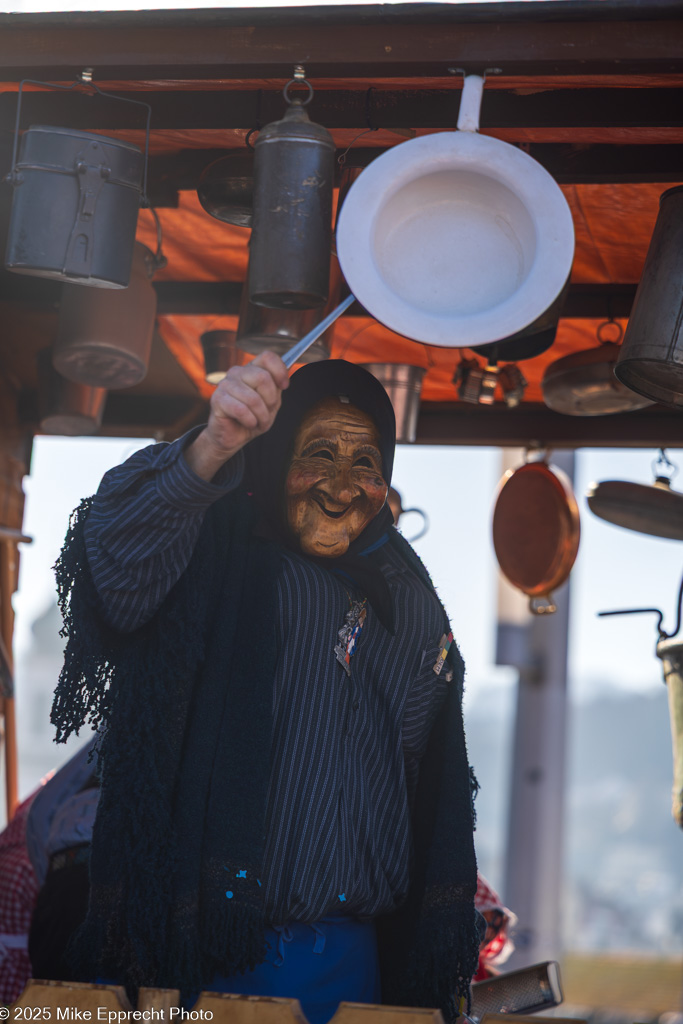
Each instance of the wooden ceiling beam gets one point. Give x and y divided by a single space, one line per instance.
414 41
537 426
222 298
569 165
436 109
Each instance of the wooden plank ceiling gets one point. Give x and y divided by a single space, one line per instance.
592 91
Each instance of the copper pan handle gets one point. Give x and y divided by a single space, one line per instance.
543 605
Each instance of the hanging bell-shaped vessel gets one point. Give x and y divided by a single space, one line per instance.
260 328
289 258
66 408
104 338
651 358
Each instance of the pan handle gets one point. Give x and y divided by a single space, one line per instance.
294 354
543 605
470 103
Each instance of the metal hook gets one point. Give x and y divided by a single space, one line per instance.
663 635
610 322
83 80
663 468
293 99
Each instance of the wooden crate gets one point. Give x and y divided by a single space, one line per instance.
55 1001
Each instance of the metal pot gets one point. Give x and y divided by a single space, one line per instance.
651 357
75 207
403 384
66 408
104 338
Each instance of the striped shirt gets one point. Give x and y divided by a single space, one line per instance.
346 748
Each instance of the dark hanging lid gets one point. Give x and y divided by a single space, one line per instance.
226 188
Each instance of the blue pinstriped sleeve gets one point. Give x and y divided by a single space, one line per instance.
144 524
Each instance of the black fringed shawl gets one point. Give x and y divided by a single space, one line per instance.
185 769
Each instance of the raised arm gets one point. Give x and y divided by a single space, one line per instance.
147 514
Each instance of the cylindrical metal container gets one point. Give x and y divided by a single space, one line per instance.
220 353
75 207
289 259
403 384
226 187
670 650
104 337
651 357
64 407
260 329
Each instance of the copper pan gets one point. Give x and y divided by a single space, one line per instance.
536 531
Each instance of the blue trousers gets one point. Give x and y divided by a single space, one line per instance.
321 965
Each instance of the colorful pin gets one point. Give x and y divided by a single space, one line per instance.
349 634
444 647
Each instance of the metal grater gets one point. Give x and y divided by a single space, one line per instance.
525 991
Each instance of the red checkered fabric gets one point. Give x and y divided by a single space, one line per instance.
18 892
497 945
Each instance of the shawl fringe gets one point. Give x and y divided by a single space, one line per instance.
183 703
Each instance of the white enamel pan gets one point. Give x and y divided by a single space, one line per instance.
453 239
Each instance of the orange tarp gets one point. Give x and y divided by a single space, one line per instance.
613 228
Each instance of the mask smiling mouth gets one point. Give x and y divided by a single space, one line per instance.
328 512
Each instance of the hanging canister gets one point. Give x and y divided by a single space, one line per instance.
220 354
289 258
64 407
651 358
104 337
75 207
